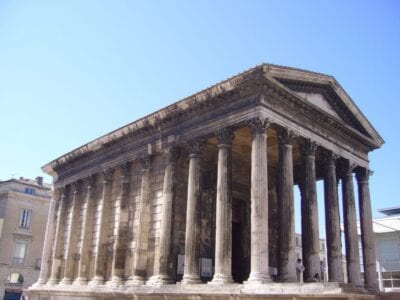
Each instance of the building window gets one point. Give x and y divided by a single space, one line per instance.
15 279
19 252
30 191
25 219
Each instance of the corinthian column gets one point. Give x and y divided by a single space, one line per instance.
103 205
309 213
85 234
142 235
332 220
191 269
287 235
367 233
350 226
118 264
71 237
161 260
58 237
44 268
259 268
223 237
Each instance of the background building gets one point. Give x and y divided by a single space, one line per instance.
387 232
24 206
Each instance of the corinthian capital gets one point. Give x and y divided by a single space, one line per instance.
77 186
258 125
363 174
329 158
171 154
309 147
108 175
225 136
125 169
285 136
195 146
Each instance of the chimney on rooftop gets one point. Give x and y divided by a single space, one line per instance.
39 180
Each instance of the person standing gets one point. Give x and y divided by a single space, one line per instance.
299 270
322 269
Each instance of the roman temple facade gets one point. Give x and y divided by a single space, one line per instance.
198 197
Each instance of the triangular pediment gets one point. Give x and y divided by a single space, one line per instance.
320 101
327 96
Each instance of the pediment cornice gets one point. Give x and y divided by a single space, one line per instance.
225 92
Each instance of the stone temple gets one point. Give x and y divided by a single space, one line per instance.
195 201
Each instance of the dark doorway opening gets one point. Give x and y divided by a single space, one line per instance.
240 257
12 295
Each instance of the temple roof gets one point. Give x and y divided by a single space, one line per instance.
318 90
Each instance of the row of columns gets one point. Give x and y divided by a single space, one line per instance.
259 269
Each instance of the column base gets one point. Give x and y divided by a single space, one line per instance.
52 281
258 278
40 282
159 280
221 279
191 279
80 281
115 281
135 280
96 280
289 279
66 281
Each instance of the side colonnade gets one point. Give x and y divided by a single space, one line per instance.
87 202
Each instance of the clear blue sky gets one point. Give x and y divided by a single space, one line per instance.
74 70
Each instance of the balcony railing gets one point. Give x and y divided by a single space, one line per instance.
18 260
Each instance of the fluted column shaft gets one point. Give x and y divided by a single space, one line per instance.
58 240
87 225
367 233
287 235
350 227
259 271
142 234
117 265
223 237
44 268
309 213
332 221
191 268
71 237
102 230
161 274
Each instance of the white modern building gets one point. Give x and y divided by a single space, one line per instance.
387 232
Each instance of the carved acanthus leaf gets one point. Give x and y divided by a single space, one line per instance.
196 146
171 154
225 136
258 125
309 147
286 136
